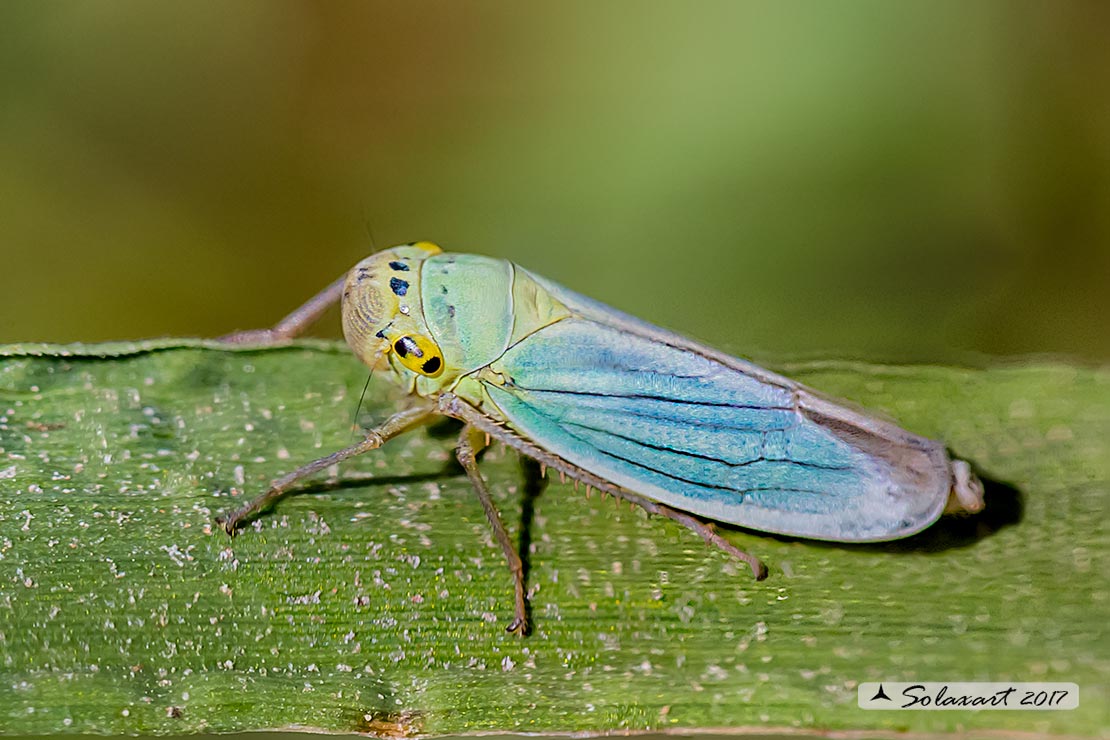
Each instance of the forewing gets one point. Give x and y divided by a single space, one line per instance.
703 436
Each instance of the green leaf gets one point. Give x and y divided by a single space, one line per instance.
380 605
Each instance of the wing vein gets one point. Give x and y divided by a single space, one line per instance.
652 397
701 456
741 491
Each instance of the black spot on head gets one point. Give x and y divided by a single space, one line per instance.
380 334
405 345
444 289
431 365
451 311
399 266
398 286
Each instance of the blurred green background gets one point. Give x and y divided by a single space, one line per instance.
880 180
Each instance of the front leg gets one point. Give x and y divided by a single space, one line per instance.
394 425
295 323
470 441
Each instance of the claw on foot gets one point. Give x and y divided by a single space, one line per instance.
228 523
519 626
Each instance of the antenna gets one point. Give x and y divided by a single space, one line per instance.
369 232
362 396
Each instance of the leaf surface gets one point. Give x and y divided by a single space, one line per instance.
378 602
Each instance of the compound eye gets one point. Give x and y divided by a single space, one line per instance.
419 354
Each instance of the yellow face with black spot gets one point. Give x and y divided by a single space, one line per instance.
419 354
382 314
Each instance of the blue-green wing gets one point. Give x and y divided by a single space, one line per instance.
716 438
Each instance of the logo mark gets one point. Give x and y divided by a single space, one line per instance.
880 694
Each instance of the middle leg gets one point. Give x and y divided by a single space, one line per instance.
469 442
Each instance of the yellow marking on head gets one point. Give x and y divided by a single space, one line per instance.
419 354
428 247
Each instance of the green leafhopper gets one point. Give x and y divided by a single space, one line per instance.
675 427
